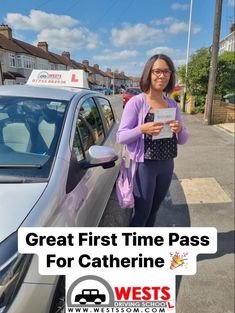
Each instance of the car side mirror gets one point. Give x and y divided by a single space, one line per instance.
101 156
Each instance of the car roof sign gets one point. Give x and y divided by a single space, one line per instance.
57 78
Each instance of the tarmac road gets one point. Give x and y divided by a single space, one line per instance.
201 195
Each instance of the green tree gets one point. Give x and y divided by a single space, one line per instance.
225 73
198 74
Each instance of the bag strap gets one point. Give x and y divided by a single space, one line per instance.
124 147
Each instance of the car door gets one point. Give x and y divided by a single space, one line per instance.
88 187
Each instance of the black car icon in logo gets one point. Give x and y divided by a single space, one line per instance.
90 295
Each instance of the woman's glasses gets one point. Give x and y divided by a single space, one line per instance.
158 72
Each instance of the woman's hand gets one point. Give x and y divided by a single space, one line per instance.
175 126
151 128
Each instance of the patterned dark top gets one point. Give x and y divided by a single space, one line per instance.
159 149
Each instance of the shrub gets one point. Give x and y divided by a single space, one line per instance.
198 109
200 101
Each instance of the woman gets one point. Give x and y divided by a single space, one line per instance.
154 157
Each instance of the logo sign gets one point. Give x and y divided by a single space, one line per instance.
98 295
72 78
128 270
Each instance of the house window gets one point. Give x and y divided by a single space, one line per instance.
42 64
12 60
28 62
61 67
19 61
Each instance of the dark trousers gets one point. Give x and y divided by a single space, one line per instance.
151 183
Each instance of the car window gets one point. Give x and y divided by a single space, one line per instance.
107 111
89 131
90 124
77 146
29 132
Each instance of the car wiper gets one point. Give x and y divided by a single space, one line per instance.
21 166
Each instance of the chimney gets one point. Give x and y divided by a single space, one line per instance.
43 45
85 63
6 31
96 66
66 54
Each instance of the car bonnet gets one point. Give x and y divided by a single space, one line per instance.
16 202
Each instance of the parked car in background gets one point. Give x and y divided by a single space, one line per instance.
129 93
58 165
99 89
108 91
104 90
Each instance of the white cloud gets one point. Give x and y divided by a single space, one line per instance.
179 27
178 56
178 6
179 62
138 34
176 53
175 26
165 21
65 39
39 20
231 3
133 68
121 55
196 29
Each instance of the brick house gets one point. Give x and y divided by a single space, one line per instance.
135 81
95 75
120 80
18 59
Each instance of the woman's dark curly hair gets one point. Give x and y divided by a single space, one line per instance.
145 80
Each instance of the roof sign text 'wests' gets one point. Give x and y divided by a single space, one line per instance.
72 78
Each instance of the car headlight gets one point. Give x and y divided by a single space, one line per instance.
13 267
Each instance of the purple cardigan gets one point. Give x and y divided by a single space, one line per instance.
133 115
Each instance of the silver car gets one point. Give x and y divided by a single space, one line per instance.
58 164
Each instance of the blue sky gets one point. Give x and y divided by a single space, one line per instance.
116 34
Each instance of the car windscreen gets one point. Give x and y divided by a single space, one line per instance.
29 133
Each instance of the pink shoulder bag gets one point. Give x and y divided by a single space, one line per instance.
124 183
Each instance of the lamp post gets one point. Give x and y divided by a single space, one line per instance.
187 56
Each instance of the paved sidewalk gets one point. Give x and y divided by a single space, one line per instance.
201 195
229 127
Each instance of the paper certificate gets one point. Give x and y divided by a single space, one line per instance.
163 116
